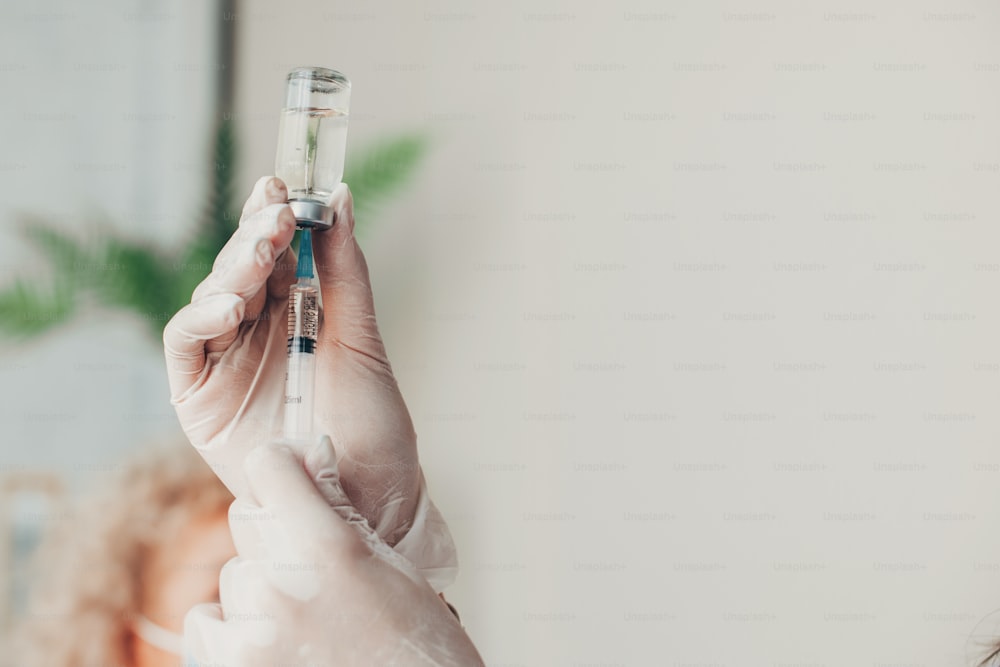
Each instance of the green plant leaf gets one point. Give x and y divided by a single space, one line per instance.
135 277
60 250
380 171
28 309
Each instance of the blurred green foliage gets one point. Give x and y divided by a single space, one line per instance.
154 282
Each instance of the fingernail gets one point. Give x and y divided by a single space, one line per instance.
264 252
321 457
235 315
341 218
346 212
286 219
275 189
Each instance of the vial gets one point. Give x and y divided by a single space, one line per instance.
312 140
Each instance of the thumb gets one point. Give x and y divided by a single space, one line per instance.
349 309
294 513
208 639
320 462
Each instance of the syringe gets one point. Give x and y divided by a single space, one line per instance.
303 328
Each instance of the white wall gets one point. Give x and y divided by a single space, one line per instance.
695 308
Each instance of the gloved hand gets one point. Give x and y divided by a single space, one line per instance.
314 585
226 359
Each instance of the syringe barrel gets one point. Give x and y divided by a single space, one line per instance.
300 381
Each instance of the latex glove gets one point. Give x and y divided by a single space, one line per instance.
226 358
314 585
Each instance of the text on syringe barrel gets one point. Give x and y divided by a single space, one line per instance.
303 319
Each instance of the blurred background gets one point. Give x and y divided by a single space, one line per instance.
693 303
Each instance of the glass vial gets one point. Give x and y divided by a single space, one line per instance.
312 140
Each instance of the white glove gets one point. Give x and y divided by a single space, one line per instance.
314 585
226 360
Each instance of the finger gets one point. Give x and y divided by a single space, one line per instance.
244 521
302 524
267 190
242 589
259 223
246 261
283 275
208 639
245 276
188 331
321 465
343 277
248 601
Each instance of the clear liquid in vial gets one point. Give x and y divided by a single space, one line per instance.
311 146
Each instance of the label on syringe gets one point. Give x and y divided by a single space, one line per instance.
303 321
